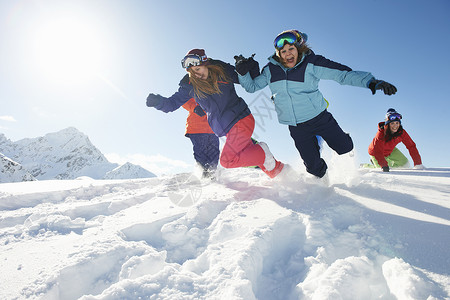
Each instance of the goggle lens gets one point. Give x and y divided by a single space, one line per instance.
395 116
287 37
191 60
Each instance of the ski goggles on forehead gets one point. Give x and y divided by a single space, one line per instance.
192 60
287 37
394 117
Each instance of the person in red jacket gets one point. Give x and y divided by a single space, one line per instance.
382 150
205 143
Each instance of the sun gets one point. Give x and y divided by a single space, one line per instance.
68 50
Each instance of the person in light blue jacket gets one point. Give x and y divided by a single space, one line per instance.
293 74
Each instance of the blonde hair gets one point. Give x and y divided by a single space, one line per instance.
210 86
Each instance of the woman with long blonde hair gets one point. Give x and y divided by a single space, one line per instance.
211 83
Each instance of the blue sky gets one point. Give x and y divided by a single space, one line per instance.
91 64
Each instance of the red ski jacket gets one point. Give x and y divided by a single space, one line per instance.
194 122
381 149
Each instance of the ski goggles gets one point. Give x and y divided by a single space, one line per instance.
396 116
290 37
192 60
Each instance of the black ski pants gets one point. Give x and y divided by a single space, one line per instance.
304 136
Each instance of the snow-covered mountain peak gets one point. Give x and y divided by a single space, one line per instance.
66 139
127 171
66 154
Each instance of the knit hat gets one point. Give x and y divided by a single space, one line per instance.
194 57
199 52
392 115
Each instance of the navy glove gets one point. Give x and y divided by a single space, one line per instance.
153 100
244 65
199 111
387 88
385 169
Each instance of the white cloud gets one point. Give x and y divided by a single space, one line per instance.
157 164
8 118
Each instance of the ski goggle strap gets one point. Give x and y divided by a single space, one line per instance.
290 37
393 117
192 60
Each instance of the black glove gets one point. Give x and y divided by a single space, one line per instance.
385 169
387 88
153 100
244 65
199 111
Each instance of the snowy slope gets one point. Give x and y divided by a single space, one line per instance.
368 235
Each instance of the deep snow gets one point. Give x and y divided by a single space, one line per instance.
365 235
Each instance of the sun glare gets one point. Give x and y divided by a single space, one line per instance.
68 50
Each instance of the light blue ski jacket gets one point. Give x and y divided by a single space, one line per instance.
295 91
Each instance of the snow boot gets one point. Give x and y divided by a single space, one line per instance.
275 171
271 166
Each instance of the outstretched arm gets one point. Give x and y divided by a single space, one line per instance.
387 88
247 65
324 68
171 103
256 84
411 146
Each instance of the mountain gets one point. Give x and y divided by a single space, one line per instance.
367 235
11 171
66 154
128 171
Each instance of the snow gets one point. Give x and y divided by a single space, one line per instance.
364 235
